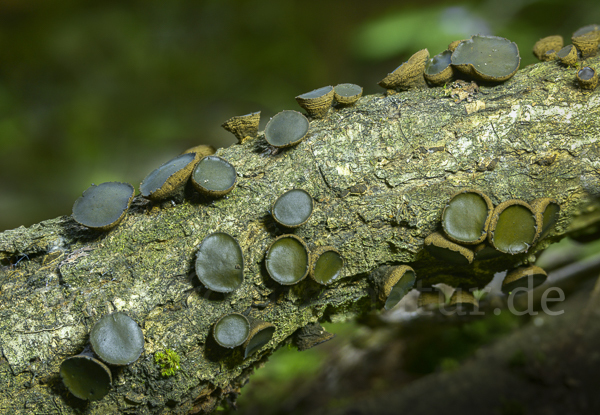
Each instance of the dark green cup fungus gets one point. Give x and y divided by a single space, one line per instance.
409 74
220 263
317 102
104 206
438 70
524 277
326 265
467 216
395 284
293 208
550 211
515 227
542 46
214 176
347 94
446 250
286 129
567 55
244 127
260 334
86 377
117 339
487 58
166 180
231 330
287 260
462 299
587 78
484 251
586 40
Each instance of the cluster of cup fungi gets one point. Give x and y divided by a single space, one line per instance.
473 229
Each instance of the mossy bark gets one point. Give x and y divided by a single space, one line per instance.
380 173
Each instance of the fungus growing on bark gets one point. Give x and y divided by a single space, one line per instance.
214 176
515 227
452 46
483 251
117 339
587 78
347 94
488 58
546 44
524 277
394 284
287 260
467 216
317 102
220 263
550 55
567 55
446 250
86 377
201 150
326 265
438 70
462 299
586 40
244 127
431 299
286 129
260 334
231 330
409 74
549 209
104 206
169 178
293 208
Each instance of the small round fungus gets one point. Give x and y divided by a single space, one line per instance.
438 70
544 45
446 250
317 102
524 277
587 78
586 40
104 206
220 263
293 208
550 210
488 58
117 339
395 284
86 377
550 55
166 180
567 55
515 227
287 260
462 299
326 265
214 176
231 330
286 129
467 216
409 74
244 127
261 333
347 94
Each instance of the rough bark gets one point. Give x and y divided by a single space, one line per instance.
380 173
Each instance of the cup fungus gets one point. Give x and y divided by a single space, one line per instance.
231 330
214 176
117 339
515 227
86 377
244 127
431 299
326 265
467 216
201 150
409 74
438 70
260 334
166 180
293 208
347 94
452 46
550 55
586 40
104 206
287 260
395 284
488 58
484 251
550 210
525 277
462 299
317 102
567 55
544 45
446 250
587 78
286 129
220 263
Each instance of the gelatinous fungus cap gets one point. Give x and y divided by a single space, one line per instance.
467 216
487 58
244 127
287 260
260 334
567 55
231 330
317 102
586 40
214 176
104 206
293 208
587 78
166 180
409 74
544 45
395 284
438 70
220 263
86 377
550 211
286 129
347 94
117 339
326 265
515 227
524 277
446 250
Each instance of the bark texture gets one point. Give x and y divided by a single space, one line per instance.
380 173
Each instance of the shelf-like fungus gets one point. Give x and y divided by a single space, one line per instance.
220 263
287 260
104 206
542 46
550 210
231 330
524 277
515 227
487 58
326 265
117 339
169 178
586 40
438 70
293 208
347 94
244 127
214 176
462 299
446 250
286 129
86 377
409 74
317 102
260 334
587 78
467 216
394 284
567 55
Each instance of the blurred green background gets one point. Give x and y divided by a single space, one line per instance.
103 91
